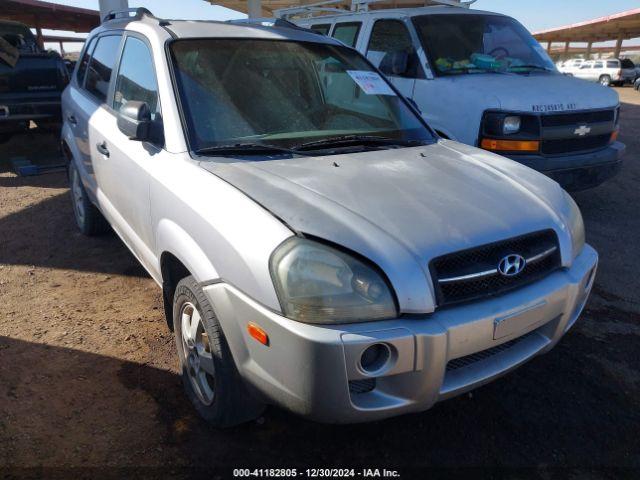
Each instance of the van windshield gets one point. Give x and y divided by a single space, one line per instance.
287 94
472 43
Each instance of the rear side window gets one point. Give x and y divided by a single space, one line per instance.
322 28
347 33
613 64
101 65
82 67
136 78
626 63
598 65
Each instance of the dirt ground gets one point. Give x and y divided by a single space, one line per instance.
88 373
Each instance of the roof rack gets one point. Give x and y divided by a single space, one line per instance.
138 14
337 6
266 22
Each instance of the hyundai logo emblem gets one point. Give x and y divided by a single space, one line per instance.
511 265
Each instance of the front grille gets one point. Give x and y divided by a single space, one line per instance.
468 360
576 144
366 385
577 118
541 248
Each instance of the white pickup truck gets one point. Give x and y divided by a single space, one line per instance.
480 78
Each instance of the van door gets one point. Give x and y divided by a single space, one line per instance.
392 50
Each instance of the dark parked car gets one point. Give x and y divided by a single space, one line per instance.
31 82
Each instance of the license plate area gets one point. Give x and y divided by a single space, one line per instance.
521 322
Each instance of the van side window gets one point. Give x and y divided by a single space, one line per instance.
626 63
347 33
322 28
136 79
82 68
101 65
391 49
598 65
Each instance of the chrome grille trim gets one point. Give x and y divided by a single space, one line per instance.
494 271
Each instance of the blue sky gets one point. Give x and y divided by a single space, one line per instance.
534 14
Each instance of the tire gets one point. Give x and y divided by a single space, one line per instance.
605 80
209 375
88 218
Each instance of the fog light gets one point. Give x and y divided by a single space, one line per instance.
511 125
375 357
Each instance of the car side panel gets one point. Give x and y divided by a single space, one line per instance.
214 229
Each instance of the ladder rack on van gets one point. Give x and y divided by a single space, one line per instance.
337 7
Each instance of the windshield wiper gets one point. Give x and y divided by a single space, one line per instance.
347 140
245 148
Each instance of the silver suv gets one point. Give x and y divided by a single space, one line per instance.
318 246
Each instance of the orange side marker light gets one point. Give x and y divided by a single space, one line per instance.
258 333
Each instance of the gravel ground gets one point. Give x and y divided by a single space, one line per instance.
88 376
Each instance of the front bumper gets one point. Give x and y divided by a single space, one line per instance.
578 171
309 368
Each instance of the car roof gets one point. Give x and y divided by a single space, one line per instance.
213 29
184 29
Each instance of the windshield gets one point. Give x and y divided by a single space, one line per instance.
288 94
470 43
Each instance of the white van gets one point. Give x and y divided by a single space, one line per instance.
481 78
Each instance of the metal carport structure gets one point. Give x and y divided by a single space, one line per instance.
46 15
617 27
269 8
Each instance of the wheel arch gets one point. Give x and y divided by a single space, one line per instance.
180 257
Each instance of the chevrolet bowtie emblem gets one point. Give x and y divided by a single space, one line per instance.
582 130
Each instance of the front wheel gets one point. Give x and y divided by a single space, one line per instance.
209 375
605 80
88 218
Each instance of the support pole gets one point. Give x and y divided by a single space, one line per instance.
549 47
565 54
39 38
61 49
616 53
589 46
254 8
107 6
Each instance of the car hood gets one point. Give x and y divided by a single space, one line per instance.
403 207
538 92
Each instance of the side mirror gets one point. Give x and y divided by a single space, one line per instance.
395 63
134 120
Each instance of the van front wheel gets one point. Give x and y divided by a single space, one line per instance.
605 80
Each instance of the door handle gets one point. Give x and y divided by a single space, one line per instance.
72 120
102 148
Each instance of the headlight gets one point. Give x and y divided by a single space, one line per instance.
576 226
319 284
510 125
